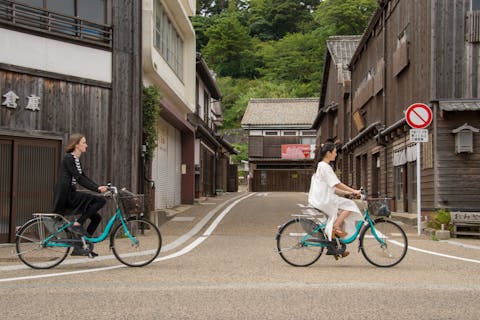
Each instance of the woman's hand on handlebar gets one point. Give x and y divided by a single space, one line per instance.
102 189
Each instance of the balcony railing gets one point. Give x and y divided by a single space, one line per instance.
22 16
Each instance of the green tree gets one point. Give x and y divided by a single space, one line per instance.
297 57
273 19
344 17
230 50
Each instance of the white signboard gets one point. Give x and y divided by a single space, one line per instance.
418 135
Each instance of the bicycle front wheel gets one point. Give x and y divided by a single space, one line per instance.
291 247
139 246
391 248
33 252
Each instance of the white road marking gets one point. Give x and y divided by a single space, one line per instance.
463 245
165 248
185 250
183 219
435 253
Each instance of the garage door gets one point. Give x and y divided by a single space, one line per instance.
295 180
28 168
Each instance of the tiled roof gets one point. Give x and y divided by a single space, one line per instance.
460 105
341 49
298 111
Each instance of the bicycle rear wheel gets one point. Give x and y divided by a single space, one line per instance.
33 252
139 248
290 245
392 248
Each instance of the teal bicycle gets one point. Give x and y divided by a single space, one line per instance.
45 241
302 240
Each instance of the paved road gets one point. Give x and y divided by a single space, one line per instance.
227 269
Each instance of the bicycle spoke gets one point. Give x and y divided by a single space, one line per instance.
147 246
30 250
391 248
291 246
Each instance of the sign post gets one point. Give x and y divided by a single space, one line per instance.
419 116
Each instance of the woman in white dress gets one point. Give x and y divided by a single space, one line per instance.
327 194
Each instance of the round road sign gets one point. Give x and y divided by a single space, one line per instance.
418 116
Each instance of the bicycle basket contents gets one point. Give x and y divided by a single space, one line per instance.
132 203
379 207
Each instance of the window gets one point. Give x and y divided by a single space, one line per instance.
412 186
271 133
399 188
289 133
92 10
309 133
206 107
308 140
475 5
167 40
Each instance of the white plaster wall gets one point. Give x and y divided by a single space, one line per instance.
30 51
156 70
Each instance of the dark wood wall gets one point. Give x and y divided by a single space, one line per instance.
456 60
458 174
125 108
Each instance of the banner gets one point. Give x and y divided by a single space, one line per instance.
297 151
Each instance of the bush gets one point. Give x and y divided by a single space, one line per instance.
442 216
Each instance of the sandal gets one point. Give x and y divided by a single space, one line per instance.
345 254
339 232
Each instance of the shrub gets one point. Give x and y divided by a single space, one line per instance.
442 216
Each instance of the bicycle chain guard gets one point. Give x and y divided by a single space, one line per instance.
335 247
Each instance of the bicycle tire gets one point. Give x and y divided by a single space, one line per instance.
29 248
290 247
392 251
145 251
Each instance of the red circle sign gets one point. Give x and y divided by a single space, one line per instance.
418 116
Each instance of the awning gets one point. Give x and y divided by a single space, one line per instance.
459 105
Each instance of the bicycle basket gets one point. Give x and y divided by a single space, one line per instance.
132 203
379 207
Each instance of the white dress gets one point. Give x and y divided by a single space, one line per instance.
322 196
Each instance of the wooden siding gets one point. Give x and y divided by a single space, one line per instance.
458 174
64 107
456 60
296 180
109 116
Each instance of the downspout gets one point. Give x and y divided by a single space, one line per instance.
433 95
384 95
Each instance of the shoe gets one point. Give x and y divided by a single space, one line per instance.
339 232
345 254
78 230
93 254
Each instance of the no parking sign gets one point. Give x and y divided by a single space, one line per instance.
418 116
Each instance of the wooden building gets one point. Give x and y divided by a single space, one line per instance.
416 51
335 97
66 67
212 152
280 143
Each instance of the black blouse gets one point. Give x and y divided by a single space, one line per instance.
71 173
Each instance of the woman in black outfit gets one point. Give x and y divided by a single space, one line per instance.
67 198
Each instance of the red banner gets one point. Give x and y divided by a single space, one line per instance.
296 151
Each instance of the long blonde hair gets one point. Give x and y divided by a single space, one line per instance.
73 140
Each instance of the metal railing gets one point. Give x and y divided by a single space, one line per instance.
40 20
